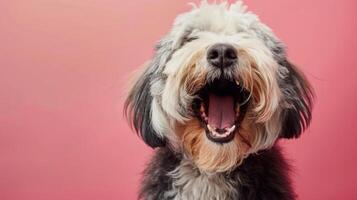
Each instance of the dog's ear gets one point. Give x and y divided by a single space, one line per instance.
138 108
298 96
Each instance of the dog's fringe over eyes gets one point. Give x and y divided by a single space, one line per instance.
219 90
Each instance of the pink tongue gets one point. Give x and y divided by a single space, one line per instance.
221 111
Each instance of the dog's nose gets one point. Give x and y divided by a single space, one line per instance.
222 55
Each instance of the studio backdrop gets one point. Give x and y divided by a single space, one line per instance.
64 70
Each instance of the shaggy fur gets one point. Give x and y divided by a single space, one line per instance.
169 107
261 176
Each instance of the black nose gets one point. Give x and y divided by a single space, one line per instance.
222 55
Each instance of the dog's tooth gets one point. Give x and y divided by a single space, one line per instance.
232 129
237 82
215 134
210 128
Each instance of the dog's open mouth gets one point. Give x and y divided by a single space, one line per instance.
220 107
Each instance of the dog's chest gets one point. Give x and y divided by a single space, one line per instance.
190 184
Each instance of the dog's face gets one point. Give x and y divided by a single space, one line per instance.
219 88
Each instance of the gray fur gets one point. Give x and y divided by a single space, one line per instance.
190 184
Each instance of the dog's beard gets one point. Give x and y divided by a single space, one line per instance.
211 156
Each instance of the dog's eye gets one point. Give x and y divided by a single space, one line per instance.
188 39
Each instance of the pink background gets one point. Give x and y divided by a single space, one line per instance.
64 64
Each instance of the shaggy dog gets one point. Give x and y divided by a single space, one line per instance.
215 99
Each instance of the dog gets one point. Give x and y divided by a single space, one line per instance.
213 102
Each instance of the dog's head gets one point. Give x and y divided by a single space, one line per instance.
219 88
